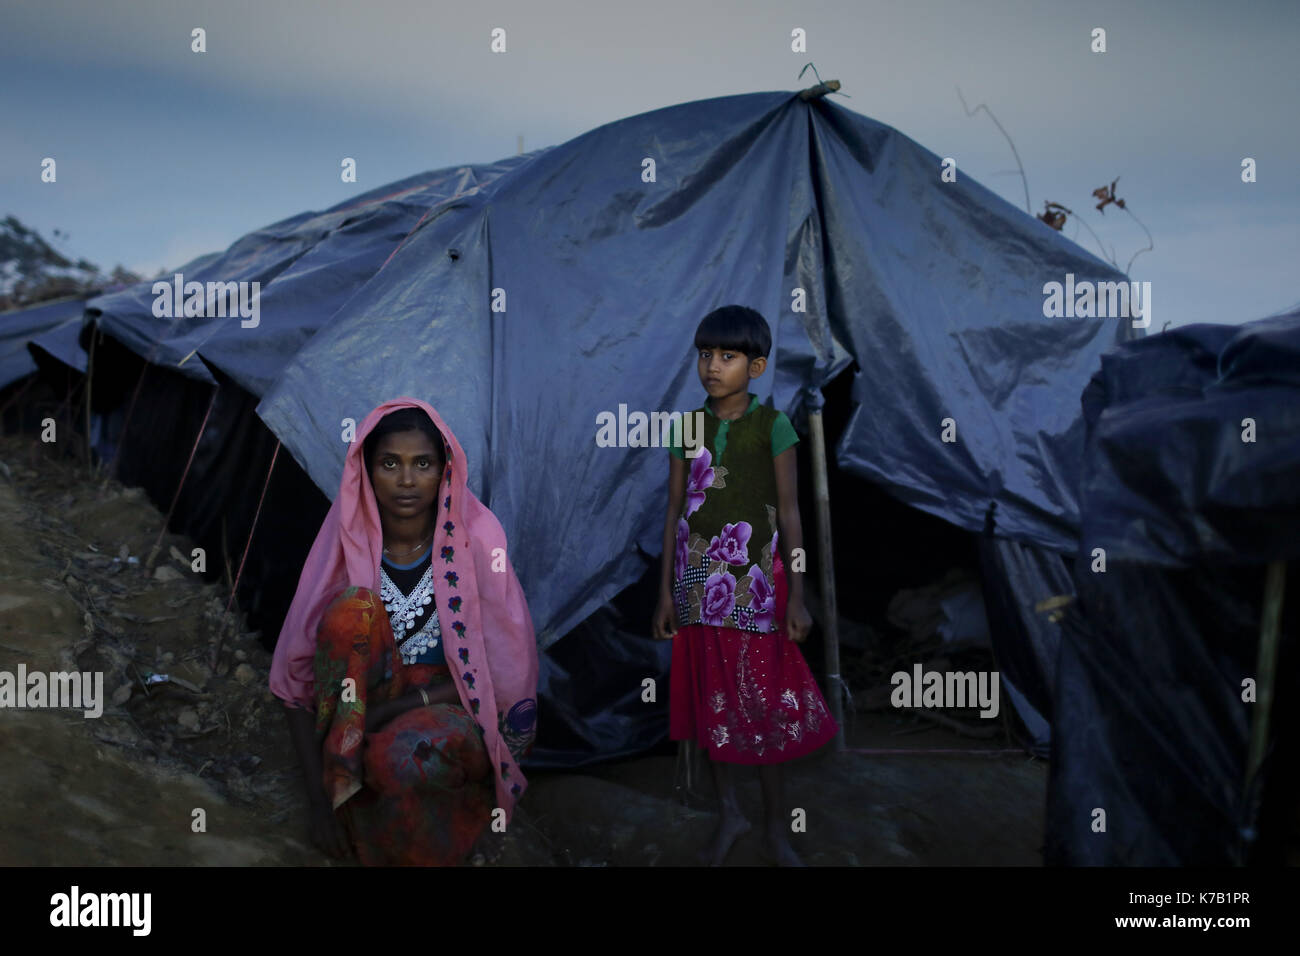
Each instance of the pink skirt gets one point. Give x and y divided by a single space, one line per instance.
746 697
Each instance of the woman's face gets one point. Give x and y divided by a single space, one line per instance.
406 474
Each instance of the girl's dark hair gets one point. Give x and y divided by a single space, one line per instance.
403 420
737 328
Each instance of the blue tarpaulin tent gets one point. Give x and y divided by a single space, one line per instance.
526 298
1188 491
306 267
20 327
572 285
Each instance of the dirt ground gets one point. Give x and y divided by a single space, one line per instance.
77 593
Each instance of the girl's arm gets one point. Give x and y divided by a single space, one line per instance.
798 622
664 625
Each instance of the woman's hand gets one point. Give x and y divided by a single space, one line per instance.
798 622
379 714
664 624
327 833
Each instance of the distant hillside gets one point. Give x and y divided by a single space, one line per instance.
32 271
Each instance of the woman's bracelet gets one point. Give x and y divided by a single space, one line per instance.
424 694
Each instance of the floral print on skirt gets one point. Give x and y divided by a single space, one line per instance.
746 697
419 790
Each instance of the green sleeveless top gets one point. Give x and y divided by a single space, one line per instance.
727 532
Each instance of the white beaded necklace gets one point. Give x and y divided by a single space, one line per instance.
401 610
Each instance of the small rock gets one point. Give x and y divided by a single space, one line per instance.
189 719
123 552
165 572
245 674
249 763
241 655
122 694
167 657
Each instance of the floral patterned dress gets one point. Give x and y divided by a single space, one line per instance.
739 685
417 791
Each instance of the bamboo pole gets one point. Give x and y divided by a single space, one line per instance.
820 90
831 627
1265 667
90 371
234 588
157 545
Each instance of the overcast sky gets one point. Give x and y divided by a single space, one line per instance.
164 154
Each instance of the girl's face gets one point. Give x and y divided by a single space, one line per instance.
725 372
406 474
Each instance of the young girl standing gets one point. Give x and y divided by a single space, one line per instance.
739 686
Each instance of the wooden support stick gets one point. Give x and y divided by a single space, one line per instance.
90 371
820 90
821 492
1265 665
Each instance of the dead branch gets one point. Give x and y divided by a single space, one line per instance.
1023 177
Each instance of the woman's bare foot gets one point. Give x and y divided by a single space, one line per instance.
778 851
731 827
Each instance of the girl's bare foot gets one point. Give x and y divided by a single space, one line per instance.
778 851
731 827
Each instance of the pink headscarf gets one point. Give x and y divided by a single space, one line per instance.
487 632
